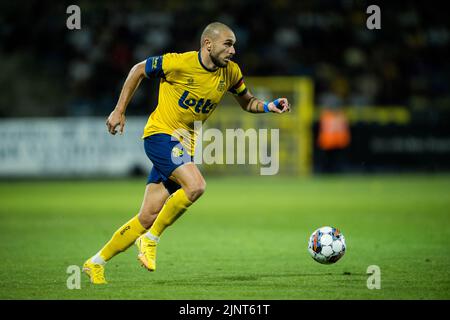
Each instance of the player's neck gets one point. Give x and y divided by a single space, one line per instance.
206 61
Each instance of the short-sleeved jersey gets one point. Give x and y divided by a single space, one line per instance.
188 92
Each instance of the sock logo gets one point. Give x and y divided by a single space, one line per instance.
125 230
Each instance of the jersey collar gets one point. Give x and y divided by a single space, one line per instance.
201 63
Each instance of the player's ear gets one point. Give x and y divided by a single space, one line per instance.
208 44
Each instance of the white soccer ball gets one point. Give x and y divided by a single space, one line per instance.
326 245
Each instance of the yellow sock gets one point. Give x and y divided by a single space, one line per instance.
122 238
174 207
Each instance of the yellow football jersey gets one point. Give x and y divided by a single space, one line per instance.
188 92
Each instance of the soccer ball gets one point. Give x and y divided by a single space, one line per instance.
326 245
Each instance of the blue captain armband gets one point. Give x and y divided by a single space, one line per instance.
153 67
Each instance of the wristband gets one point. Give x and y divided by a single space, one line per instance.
276 102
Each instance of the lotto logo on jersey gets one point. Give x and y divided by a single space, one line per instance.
199 105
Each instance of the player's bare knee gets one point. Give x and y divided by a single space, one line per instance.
195 191
146 218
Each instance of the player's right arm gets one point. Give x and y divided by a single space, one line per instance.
117 116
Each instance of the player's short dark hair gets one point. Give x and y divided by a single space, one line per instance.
212 30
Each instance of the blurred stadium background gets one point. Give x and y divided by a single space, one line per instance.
393 83
365 102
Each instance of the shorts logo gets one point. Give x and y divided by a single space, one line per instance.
177 152
200 105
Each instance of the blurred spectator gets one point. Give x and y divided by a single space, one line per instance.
333 138
48 70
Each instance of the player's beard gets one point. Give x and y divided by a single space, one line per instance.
216 60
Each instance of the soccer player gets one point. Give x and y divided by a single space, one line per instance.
191 86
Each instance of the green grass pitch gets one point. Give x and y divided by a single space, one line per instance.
246 238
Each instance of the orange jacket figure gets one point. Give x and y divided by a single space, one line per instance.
334 132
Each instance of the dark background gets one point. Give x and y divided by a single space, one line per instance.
50 71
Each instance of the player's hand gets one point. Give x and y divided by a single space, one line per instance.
280 107
115 119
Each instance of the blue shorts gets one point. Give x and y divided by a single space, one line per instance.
166 153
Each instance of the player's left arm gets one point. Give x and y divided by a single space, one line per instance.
250 103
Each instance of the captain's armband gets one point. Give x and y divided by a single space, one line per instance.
239 88
153 67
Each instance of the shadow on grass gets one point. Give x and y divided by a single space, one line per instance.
218 280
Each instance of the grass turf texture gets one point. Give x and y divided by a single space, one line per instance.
246 238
